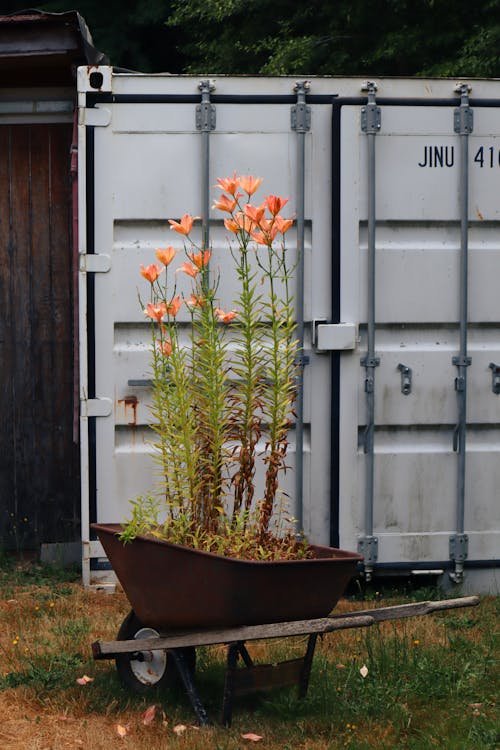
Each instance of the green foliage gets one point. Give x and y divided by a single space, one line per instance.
347 37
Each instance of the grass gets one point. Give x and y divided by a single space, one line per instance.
432 682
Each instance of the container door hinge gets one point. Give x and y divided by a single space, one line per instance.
368 547
95 262
332 337
94 117
300 112
459 547
371 115
495 377
205 112
463 116
95 407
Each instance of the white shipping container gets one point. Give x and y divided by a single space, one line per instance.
398 449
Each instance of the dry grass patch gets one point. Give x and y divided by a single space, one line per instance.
448 661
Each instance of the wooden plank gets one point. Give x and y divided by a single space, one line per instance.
106 650
400 611
364 618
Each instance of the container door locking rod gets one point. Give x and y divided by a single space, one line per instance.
205 123
463 125
371 121
301 124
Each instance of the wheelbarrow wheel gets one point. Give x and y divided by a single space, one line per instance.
142 671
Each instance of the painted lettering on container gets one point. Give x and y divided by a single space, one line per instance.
438 156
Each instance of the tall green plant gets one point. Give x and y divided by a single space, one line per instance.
216 400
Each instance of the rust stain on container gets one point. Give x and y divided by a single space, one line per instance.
130 403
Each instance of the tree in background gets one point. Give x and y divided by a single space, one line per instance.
276 37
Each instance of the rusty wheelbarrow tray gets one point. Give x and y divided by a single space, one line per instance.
141 652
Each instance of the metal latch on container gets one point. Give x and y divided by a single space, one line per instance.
371 116
495 377
463 116
330 337
205 112
95 262
300 112
406 378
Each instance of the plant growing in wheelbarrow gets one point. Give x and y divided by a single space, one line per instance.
212 546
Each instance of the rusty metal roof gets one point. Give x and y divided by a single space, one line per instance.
44 49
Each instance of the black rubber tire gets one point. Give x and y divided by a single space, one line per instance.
126 666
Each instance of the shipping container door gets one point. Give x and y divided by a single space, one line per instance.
142 153
417 197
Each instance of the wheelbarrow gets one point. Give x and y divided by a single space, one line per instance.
148 658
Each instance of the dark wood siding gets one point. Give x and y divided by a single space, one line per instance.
39 484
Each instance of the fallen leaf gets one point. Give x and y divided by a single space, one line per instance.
84 680
363 671
149 715
340 666
121 731
179 728
251 737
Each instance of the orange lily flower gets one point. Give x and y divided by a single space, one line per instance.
156 312
226 204
166 254
244 222
225 317
260 238
232 225
255 213
184 226
229 184
188 268
250 184
151 272
165 347
275 203
195 300
200 259
282 225
174 306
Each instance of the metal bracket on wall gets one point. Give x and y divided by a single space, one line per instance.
368 547
459 547
495 378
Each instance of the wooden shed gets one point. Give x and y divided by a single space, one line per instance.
39 456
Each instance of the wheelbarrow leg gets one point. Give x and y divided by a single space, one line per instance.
233 651
307 665
187 680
